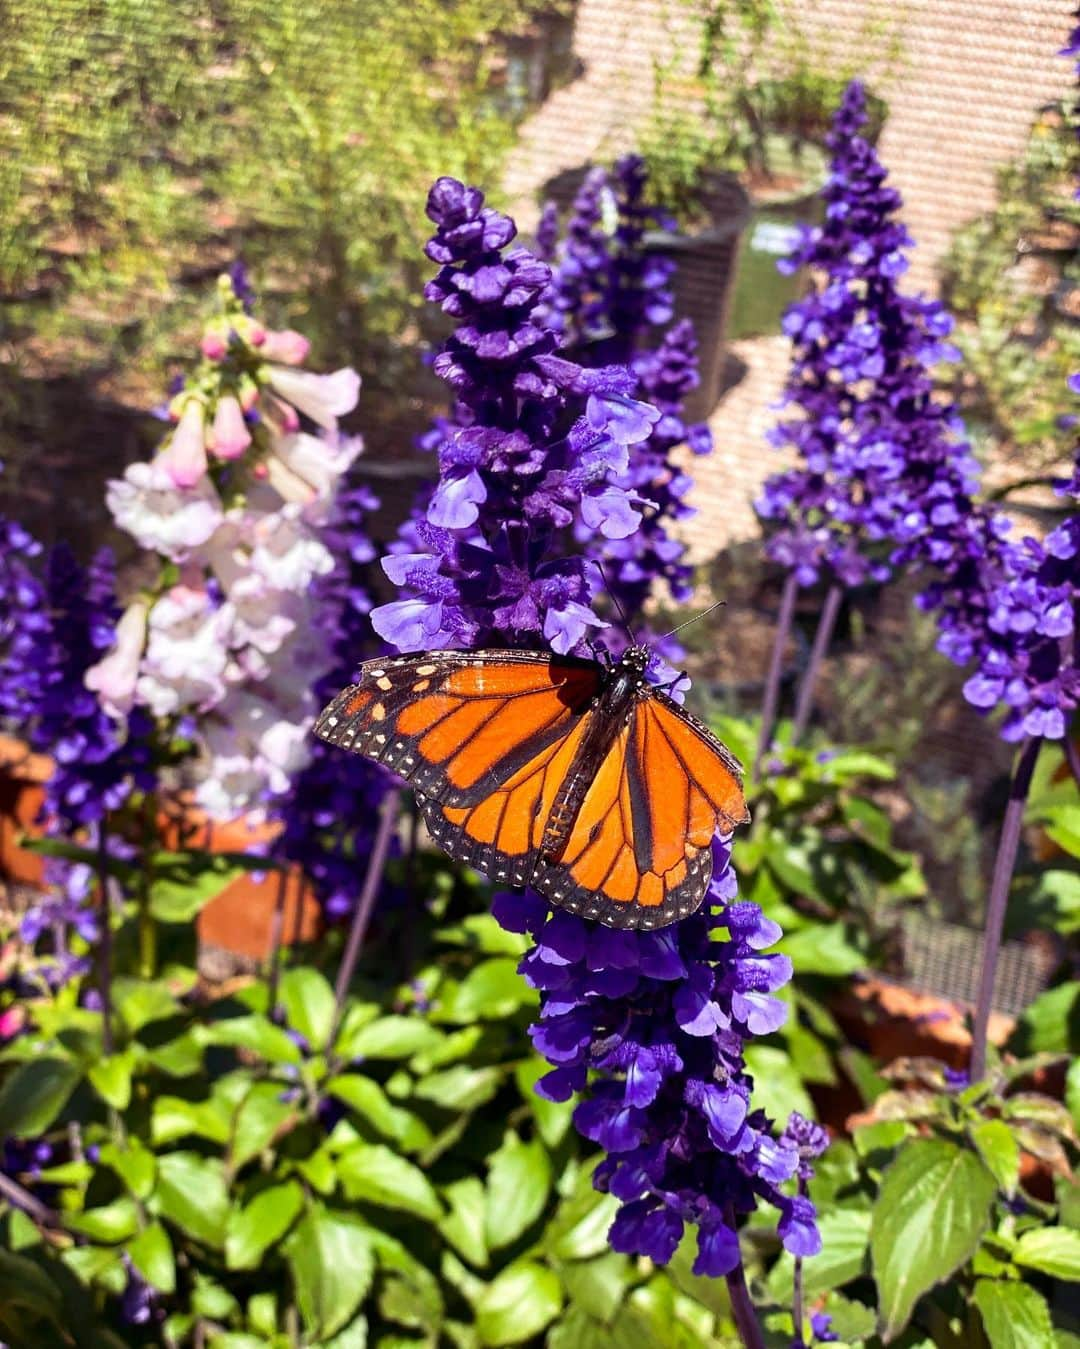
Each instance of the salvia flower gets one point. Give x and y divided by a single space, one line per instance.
879 458
610 298
650 1027
477 564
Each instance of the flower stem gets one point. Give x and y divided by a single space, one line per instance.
147 925
1004 863
362 917
30 1204
771 701
742 1309
104 952
822 638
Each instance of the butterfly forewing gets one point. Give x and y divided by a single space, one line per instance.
498 743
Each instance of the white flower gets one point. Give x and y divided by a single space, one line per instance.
306 469
285 553
160 516
254 748
324 398
187 652
113 678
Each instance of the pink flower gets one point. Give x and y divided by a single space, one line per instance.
306 469
285 345
213 346
11 1022
184 457
113 678
230 434
324 398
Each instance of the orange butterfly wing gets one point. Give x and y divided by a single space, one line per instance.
488 740
639 854
456 724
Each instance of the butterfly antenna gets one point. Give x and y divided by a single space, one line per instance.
618 607
696 619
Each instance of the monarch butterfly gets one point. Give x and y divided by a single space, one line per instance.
582 780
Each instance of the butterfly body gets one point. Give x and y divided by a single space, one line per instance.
584 781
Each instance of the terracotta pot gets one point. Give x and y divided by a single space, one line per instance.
890 1022
23 776
241 918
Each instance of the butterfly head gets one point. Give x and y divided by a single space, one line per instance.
634 661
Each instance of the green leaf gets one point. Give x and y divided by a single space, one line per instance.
845 1235
184 883
390 1037
261 1223
1072 1092
332 1268
370 1101
152 1254
823 949
480 932
492 991
308 1001
1049 1024
355 1336
879 1138
172 1117
371 1172
134 1164
553 1118
931 1210
1014 1315
1050 1250
111 1078
261 1117
518 1304
579 1226
34 1094
460 1088
997 1146
598 1286
778 1089
519 1182
26 1288
110 1223
255 1033
191 1193
463 1227
138 1002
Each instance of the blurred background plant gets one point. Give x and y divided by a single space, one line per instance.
145 146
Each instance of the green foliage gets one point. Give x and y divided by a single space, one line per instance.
761 98
143 146
927 1227
820 859
1012 277
399 1184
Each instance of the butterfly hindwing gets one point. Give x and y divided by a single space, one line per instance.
639 853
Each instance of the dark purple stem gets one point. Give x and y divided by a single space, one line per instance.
742 1309
14 1193
771 700
822 638
388 813
1004 863
104 952
797 1289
